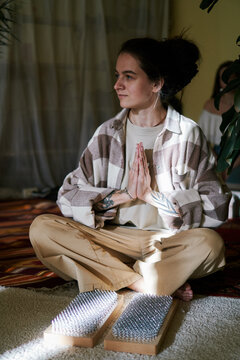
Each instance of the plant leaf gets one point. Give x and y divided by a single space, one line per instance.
7 18
217 100
222 165
233 84
205 4
5 3
208 4
230 145
227 118
234 68
224 158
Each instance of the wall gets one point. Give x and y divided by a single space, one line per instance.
215 33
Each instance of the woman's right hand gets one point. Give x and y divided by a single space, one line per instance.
133 175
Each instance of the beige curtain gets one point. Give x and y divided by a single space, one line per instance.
56 83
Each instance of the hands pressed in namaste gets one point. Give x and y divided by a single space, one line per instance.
139 177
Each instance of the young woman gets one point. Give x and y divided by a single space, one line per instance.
136 207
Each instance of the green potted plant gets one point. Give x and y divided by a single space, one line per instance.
7 18
230 125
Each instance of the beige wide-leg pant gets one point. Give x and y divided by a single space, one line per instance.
115 257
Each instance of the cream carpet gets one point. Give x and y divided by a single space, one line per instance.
208 328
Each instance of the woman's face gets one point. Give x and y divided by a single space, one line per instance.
133 87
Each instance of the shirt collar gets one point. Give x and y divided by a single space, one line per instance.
172 121
120 119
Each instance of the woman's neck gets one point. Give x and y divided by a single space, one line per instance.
226 102
148 117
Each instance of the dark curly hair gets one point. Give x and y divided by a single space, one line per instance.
174 60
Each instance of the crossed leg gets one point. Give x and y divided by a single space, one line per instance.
99 258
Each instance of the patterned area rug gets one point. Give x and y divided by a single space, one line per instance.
19 266
18 263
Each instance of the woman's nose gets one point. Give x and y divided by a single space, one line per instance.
118 84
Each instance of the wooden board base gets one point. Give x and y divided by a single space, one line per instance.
146 348
89 340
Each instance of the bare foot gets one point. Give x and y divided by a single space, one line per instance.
138 286
184 293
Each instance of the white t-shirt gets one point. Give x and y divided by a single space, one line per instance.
210 125
138 213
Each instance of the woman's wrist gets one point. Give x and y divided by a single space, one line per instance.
129 194
146 196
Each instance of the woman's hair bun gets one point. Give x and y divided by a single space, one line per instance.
179 59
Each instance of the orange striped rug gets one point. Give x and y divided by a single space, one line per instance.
18 263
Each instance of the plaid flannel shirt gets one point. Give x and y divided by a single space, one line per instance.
183 165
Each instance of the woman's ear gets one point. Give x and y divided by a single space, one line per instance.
158 85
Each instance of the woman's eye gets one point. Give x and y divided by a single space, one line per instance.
126 76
